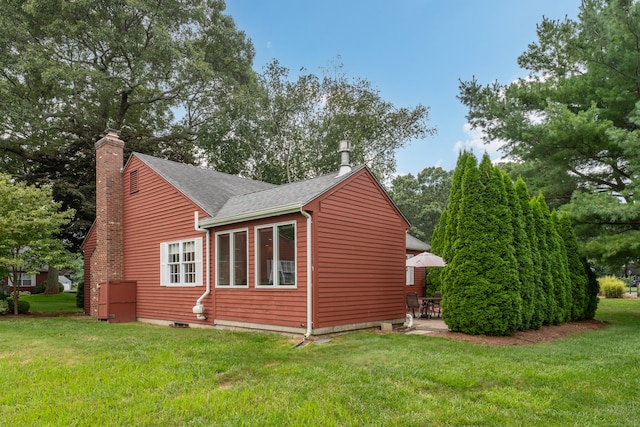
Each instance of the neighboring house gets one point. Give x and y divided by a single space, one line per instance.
416 276
28 282
66 283
198 247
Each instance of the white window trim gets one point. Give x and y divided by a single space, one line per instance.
274 228
22 276
232 259
410 276
164 263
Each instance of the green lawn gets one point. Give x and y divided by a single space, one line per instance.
63 302
81 372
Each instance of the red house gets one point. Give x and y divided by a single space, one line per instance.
176 244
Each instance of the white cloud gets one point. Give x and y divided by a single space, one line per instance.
476 144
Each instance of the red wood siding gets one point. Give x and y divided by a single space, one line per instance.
282 306
156 212
360 254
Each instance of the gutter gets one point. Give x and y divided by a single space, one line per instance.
275 211
309 276
198 309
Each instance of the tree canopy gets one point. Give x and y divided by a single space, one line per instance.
422 199
155 70
176 78
573 123
29 220
291 129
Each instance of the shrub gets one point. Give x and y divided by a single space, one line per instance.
80 295
23 306
43 286
611 286
4 307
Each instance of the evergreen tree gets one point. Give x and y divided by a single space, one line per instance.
445 233
562 276
577 274
522 249
481 297
533 313
592 291
547 292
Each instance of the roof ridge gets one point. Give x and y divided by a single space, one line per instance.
201 168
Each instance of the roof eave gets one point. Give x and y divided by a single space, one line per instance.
248 216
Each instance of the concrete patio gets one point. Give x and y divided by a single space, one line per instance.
425 326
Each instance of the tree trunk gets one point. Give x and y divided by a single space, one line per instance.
52 282
15 293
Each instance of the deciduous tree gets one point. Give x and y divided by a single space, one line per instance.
158 71
291 131
29 220
422 199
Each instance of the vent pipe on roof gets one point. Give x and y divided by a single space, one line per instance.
344 148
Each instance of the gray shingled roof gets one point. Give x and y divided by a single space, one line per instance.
293 195
416 244
208 188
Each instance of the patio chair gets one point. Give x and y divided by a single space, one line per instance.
434 307
413 302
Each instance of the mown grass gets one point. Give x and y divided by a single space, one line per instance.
80 372
63 302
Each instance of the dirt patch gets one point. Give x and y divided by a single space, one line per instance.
544 334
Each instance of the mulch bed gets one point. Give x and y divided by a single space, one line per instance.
544 334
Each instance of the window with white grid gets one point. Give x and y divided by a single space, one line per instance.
181 263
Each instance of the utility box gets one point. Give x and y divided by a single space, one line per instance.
117 301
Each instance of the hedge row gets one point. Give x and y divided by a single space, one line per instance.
511 263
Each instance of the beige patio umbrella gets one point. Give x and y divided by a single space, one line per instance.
426 259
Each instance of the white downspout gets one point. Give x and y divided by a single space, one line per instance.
309 276
198 309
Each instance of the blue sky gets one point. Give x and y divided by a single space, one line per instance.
412 51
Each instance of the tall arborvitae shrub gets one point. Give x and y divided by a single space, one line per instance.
563 276
445 233
556 264
592 291
481 279
542 231
522 249
533 310
577 274
434 275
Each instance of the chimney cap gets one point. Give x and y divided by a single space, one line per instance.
344 148
112 132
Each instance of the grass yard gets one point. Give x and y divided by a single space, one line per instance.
63 302
79 372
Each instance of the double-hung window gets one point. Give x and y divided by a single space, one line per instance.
276 255
181 263
232 258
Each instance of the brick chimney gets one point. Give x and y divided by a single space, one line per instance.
107 262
